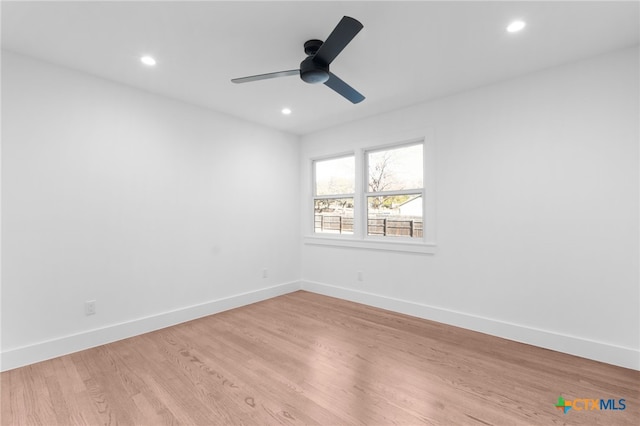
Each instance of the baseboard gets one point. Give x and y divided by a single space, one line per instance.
41 351
598 351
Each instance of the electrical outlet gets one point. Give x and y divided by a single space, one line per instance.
360 278
265 273
90 307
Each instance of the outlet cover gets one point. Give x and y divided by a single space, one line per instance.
90 307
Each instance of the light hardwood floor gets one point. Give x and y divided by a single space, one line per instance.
304 358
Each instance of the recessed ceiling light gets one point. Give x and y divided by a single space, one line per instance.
148 60
286 111
516 26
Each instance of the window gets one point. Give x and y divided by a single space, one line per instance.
395 191
334 188
381 197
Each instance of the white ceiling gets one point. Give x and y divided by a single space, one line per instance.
408 52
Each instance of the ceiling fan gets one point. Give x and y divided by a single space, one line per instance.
315 67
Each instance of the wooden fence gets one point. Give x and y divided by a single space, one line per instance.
380 227
337 224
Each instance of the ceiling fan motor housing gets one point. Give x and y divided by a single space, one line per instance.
313 71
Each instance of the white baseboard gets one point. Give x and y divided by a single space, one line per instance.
41 351
598 351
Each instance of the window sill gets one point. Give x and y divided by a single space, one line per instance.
371 244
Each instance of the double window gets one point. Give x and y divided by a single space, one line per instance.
376 194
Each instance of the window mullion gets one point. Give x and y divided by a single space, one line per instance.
393 193
360 209
332 197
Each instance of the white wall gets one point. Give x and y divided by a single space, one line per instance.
117 195
537 212
158 210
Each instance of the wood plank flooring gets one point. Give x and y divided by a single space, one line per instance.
304 358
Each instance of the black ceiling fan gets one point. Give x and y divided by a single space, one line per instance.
315 67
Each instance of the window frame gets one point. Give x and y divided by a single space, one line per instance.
315 196
364 214
359 239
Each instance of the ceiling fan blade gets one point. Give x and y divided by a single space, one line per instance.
265 76
344 89
341 35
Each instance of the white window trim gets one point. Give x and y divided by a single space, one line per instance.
370 243
359 239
